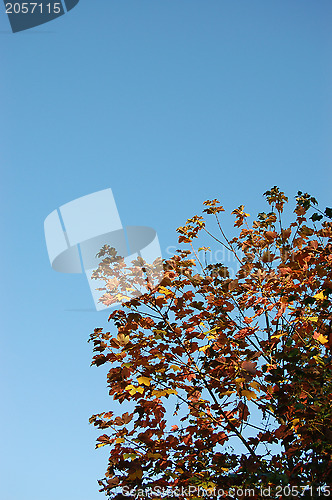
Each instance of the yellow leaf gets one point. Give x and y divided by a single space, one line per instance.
203 349
158 393
255 385
249 394
122 339
119 440
207 485
319 296
159 333
165 291
278 336
212 331
313 318
239 381
99 445
153 455
132 389
143 380
120 297
175 368
128 387
171 391
322 339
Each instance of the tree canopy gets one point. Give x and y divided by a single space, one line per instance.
226 380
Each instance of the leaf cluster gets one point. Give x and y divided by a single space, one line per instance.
210 364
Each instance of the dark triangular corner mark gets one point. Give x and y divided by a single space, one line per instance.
70 4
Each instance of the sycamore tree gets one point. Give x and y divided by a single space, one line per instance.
226 380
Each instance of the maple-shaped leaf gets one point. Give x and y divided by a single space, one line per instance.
321 338
249 394
144 380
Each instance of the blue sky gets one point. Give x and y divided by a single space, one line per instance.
168 103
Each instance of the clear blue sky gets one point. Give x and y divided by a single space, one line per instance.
168 103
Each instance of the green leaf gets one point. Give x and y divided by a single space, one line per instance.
316 217
328 212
